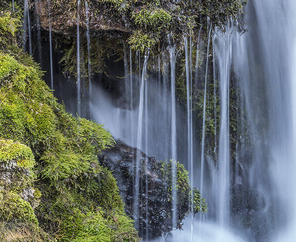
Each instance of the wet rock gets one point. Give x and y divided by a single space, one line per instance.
154 201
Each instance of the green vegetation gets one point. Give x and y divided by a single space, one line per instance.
50 178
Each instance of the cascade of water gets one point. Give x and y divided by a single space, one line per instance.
173 136
139 141
78 62
224 54
204 119
13 5
88 55
269 99
50 44
262 63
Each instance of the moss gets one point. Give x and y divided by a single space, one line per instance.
15 151
71 184
14 208
152 18
9 26
22 232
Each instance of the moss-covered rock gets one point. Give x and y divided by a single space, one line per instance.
145 25
18 197
47 154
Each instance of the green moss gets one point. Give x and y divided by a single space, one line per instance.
15 151
8 28
14 208
22 232
152 18
76 193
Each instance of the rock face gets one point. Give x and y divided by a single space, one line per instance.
154 201
100 19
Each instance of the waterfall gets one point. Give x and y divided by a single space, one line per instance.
248 175
224 57
269 98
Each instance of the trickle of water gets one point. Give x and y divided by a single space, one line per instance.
188 68
50 44
173 136
88 55
37 10
78 62
27 27
204 118
215 95
146 159
140 141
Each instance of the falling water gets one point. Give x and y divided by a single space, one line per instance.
188 68
261 62
197 57
88 55
131 106
37 12
78 62
140 141
27 27
50 44
173 135
224 57
146 159
204 119
215 96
